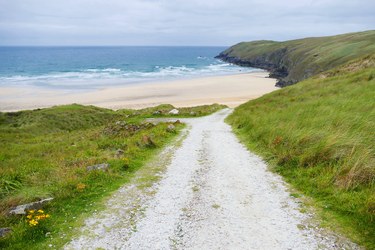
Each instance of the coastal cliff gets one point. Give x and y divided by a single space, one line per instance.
296 60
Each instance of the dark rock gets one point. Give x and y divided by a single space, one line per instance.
4 231
177 122
102 167
21 209
275 62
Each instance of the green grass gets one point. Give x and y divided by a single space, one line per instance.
303 58
319 135
45 153
163 111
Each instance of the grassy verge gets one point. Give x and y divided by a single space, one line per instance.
164 109
45 153
319 135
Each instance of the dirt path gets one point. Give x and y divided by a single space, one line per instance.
212 194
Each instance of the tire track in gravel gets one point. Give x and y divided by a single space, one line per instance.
214 194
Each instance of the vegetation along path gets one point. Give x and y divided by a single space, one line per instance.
212 194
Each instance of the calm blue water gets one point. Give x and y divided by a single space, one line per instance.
93 67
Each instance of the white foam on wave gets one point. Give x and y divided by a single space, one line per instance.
92 78
103 70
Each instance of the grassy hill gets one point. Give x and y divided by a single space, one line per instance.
296 60
319 134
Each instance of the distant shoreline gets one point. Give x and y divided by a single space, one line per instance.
231 90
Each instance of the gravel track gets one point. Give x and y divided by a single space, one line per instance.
212 194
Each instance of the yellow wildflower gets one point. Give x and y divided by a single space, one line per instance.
80 187
34 217
33 223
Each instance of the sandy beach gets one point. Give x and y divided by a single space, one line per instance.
231 90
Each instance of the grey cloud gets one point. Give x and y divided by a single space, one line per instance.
176 22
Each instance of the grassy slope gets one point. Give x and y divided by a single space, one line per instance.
45 153
319 134
303 58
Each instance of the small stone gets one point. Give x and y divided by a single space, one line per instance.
174 112
4 231
103 167
193 113
157 112
177 122
21 209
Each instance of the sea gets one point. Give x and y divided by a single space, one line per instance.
74 68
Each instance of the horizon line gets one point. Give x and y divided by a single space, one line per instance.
6 45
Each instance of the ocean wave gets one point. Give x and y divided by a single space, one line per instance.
102 70
92 77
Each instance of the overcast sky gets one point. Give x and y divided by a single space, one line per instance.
177 22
